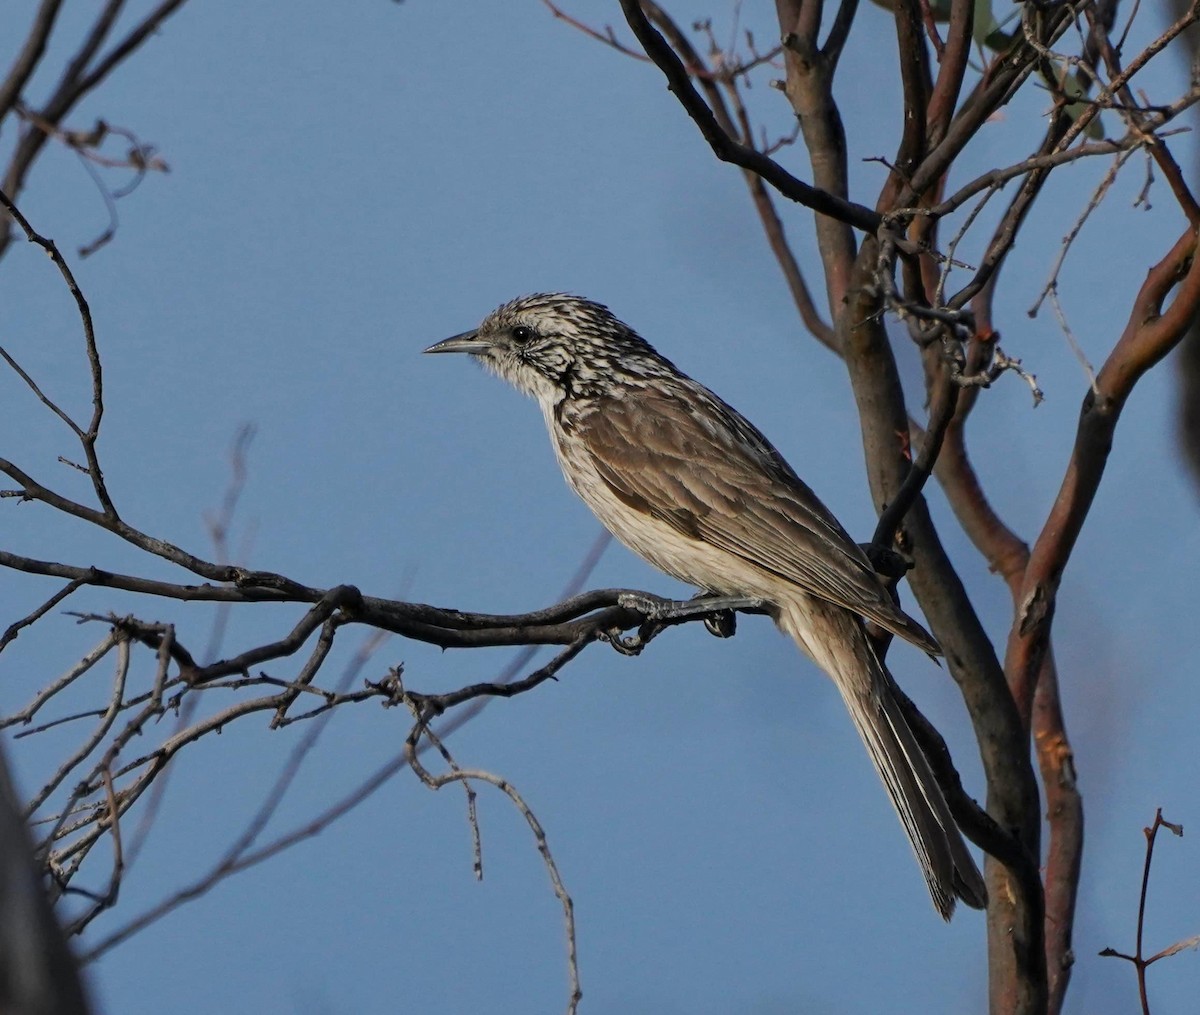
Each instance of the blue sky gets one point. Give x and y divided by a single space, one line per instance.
352 182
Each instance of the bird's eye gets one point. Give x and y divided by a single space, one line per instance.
521 334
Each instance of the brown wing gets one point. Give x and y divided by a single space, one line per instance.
713 476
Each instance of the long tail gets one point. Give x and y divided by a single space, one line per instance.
834 638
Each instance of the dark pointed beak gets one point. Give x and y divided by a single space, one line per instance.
468 341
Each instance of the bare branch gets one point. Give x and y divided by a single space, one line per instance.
465 775
1064 815
247 860
737 124
74 673
30 55
1151 333
98 734
725 147
15 628
1140 963
87 439
76 82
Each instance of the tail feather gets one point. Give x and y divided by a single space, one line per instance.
949 869
835 640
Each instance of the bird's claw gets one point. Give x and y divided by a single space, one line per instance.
722 624
631 645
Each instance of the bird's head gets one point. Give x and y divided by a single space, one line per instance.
551 345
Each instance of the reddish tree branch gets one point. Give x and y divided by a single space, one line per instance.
952 68
809 89
1150 334
916 84
1064 816
763 204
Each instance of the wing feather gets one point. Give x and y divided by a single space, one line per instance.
711 475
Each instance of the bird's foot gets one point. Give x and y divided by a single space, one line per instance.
649 606
719 614
627 645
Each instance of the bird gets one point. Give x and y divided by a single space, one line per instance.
694 488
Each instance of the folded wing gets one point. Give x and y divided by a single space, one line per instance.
713 476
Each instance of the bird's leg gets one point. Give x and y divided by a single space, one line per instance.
718 613
648 605
657 609
710 603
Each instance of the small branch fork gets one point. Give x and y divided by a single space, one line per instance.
95 57
99 800
247 851
726 148
465 777
1137 959
80 820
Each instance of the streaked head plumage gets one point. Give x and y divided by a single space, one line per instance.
550 345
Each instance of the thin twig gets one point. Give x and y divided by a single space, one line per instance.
15 628
1093 203
1138 959
90 744
25 715
457 774
87 439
